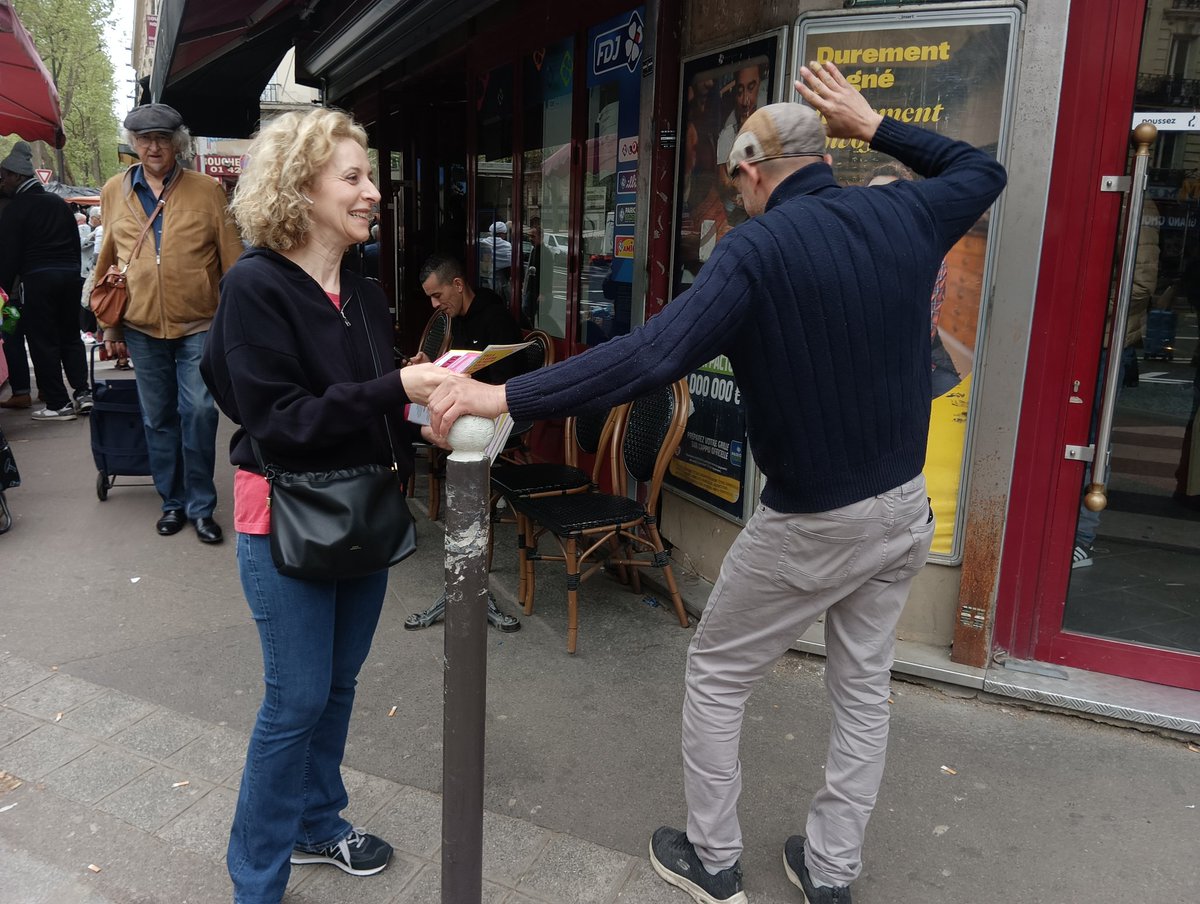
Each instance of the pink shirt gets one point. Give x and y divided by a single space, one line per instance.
251 492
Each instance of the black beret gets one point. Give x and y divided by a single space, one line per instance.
153 118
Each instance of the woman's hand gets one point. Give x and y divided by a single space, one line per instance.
420 380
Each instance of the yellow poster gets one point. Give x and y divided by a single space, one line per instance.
947 71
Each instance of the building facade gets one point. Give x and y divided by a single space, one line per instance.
588 140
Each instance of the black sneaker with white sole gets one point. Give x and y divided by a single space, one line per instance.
358 854
797 872
674 859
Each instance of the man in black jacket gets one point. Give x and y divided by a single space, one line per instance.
478 317
39 242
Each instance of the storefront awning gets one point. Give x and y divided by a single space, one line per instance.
358 44
29 103
213 58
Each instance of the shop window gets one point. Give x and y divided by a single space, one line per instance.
493 181
608 213
546 187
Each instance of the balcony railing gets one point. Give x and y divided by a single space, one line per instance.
271 94
1164 91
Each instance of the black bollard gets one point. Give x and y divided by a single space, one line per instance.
468 487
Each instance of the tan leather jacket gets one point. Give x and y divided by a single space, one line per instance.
172 293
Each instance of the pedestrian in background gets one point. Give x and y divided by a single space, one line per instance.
821 303
172 299
39 242
292 358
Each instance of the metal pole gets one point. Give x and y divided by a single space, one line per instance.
465 670
1096 497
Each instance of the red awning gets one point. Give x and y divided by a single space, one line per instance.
28 98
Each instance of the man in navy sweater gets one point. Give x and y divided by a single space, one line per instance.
821 303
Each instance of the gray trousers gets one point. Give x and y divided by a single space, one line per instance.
854 564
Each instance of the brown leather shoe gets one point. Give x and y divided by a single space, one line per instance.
18 401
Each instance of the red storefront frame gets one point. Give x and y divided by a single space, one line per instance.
1082 223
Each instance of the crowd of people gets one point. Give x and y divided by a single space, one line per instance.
248 308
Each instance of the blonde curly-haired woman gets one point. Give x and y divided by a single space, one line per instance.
292 358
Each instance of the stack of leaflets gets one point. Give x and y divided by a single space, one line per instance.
469 361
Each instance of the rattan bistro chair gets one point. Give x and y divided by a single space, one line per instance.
435 342
586 433
649 432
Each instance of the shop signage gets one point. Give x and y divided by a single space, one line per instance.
1168 120
952 72
627 182
619 47
222 165
720 90
623 246
626 214
627 149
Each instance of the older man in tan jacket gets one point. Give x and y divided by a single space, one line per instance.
172 280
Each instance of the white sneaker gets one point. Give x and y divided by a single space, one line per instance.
1082 557
55 414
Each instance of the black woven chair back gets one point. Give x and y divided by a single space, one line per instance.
540 353
436 339
589 428
646 430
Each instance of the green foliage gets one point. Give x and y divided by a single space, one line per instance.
69 35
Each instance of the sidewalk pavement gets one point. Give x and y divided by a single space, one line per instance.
145 647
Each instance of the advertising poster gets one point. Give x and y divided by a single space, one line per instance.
719 91
949 72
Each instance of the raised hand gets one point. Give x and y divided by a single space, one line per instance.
847 113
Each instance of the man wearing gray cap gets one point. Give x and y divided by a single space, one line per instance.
172 280
821 303
39 242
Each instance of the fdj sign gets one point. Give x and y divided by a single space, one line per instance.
618 47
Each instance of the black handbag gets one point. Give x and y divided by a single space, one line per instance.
343 523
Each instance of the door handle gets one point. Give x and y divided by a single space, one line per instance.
1096 497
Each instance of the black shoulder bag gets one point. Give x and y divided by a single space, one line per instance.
344 523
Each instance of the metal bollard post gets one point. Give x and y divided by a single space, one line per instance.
465 673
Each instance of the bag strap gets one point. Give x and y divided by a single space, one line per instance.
378 373
158 208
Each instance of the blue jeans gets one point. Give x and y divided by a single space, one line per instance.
180 418
315 637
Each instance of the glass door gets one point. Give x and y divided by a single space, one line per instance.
1133 596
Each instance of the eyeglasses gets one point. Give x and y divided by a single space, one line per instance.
162 141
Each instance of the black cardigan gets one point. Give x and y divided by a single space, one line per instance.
284 364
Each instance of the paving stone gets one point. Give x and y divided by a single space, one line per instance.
14 724
108 714
161 734
510 846
17 674
150 801
411 822
367 793
40 752
55 695
31 880
204 828
572 871
426 888
214 756
332 886
645 887
96 774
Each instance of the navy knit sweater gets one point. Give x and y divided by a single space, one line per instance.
822 306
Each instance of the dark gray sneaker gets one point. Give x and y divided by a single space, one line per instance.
797 872
358 854
674 859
